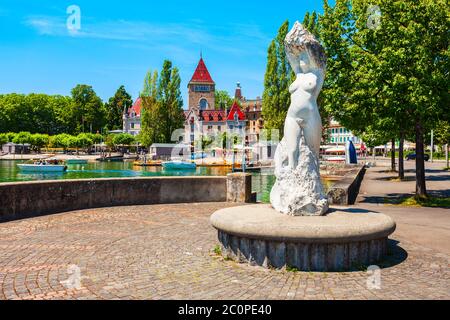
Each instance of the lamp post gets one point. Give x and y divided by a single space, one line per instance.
432 145
446 156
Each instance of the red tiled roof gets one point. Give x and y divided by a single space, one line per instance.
136 108
210 115
213 115
236 109
201 74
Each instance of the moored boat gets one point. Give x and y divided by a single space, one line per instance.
76 161
179 165
43 167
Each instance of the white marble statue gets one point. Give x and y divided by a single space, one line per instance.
298 189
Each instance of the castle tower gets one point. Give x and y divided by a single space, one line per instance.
202 89
238 93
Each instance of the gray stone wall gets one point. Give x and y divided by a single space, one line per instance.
345 192
29 199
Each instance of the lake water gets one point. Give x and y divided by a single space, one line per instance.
9 172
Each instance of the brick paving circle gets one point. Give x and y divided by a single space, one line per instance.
166 252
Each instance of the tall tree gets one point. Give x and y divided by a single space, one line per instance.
87 109
116 106
388 67
171 102
150 124
175 105
276 97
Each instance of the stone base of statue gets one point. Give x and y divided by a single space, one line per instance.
298 191
338 241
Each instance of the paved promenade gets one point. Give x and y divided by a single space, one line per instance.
166 252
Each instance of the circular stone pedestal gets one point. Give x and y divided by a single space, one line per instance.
339 241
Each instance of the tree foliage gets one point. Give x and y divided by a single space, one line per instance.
162 105
223 100
123 139
387 78
115 108
87 109
41 113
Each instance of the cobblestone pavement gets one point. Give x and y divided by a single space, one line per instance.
166 252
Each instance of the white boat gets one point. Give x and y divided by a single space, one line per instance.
335 159
179 165
42 167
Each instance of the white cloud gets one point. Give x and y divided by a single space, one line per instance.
234 39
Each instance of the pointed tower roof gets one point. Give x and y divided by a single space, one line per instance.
201 74
235 109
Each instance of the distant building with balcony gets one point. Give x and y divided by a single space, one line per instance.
338 134
253 112
132 118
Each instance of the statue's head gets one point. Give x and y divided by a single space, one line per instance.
304 52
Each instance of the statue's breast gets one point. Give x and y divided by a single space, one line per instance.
307 82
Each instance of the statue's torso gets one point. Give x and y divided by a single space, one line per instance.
303 97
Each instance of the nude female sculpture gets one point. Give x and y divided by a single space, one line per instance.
298 190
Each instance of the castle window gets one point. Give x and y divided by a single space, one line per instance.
203 104
203 88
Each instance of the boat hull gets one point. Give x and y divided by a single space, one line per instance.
76 161
179 166
41 168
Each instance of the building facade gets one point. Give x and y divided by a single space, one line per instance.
255 121
243 118
132 118
202 116
338 134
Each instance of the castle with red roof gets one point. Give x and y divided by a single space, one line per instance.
203 116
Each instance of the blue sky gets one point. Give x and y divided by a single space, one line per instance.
120 40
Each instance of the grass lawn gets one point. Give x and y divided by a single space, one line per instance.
432 202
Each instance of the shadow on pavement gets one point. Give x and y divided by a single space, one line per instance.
352 210
396 255
390 198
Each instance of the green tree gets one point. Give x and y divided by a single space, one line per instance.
162 106
72 142
37 113
60 141
3 139
171 101
276 96
150 125
10 136
123 140
115 108
65 116
442 132
223 99
311 23
393 75
38 141
84 140
22 138
87 109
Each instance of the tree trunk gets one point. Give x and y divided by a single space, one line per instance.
401 166
393 165
421 189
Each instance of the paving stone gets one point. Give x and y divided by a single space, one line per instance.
140 253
